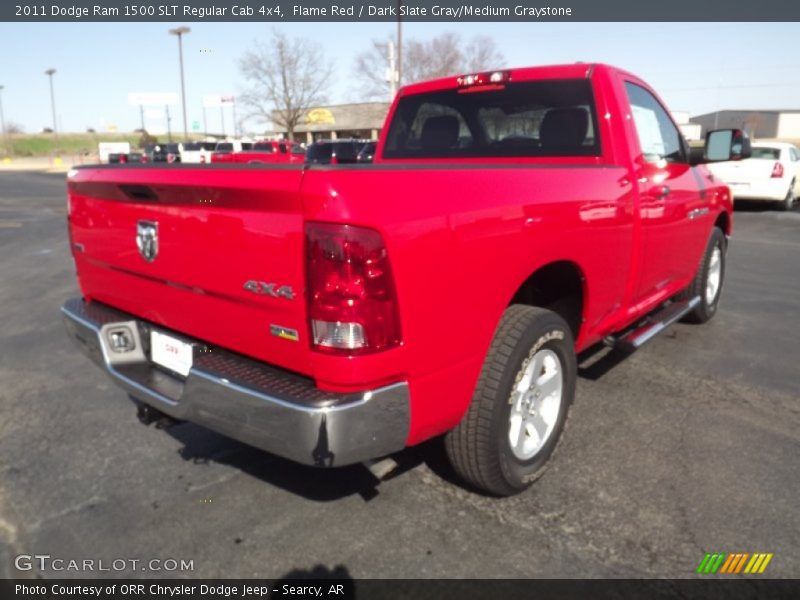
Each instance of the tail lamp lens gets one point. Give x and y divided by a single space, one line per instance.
351 294
777 170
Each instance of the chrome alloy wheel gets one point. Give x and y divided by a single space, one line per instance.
714 277
535 404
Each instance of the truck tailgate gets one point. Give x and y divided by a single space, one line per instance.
216 230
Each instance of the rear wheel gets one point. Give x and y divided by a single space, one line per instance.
788 202
708 281
520 405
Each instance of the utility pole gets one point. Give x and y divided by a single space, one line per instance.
399 44
180 31
205 123
169 128
141 116
3 122
391 72
50 73
222 117
235 124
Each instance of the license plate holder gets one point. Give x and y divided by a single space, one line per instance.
171 353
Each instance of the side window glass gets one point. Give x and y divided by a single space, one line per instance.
658 137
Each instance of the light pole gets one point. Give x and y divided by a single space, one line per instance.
399 43
50 73
179 31
3 120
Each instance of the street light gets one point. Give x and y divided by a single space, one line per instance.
50 73
179 31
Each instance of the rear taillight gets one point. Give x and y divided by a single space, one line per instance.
351 294
202 158
777 170
171 157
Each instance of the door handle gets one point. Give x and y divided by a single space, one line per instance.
659 191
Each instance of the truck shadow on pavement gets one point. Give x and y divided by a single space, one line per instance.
328 484
203 446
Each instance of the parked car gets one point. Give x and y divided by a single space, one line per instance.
270 151
367 152
332 152
224 151
197 152
771 174
124 158
335 315
169 152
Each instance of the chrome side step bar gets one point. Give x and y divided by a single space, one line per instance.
653 325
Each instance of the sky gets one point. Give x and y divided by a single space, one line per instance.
695 67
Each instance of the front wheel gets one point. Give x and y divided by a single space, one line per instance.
520 405
708 281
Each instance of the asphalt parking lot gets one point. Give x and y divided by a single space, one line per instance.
687 447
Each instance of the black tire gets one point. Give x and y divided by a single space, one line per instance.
479 448
706 309
788 202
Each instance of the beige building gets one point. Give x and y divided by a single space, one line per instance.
762 124
362 120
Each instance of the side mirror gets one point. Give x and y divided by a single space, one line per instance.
724 144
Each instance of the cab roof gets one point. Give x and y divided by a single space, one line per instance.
568 71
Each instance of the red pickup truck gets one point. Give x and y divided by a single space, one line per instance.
334 314
270 151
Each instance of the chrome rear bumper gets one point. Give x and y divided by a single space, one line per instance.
269 408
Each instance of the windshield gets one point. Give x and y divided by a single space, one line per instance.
537 118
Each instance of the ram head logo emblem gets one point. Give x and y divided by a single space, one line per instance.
147 239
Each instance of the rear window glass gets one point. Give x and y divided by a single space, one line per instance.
767 153
319 152
196 146
538 118
172 148
346 151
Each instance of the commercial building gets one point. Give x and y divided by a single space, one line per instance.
760 124
363 120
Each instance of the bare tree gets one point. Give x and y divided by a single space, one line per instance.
12 128
481 54
440 56
286 77
370 69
